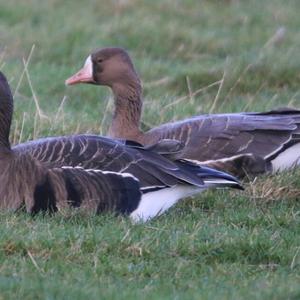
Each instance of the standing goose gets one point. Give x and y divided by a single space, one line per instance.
94 173
273 136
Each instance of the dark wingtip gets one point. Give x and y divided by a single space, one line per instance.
204 174
238 186
223 175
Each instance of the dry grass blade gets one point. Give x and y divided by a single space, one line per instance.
214 104
190 95
293 99
60 108
273 188
277 38
59 116
125 236
24 70
22 127
293 263
34 262
15 134
35 98
236 83
35 125
274 40
2 65
107 108
253 97
162 81
18 135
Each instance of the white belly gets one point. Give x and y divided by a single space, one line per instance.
155 203
287 159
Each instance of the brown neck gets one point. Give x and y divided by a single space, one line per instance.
6 110
128 110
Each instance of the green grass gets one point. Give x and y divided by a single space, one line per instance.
222 245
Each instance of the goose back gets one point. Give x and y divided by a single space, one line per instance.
212 137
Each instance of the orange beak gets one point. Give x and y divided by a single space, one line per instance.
83 75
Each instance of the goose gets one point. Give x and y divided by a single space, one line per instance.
273 136
95 174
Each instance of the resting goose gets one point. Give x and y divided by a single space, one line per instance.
273 136
95 173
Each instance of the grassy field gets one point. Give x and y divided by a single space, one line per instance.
194 57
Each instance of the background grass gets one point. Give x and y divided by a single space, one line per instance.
222 245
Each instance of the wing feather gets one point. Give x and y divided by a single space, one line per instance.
99 153
220 136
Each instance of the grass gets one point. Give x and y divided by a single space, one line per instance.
222 245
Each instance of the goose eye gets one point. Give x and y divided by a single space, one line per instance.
100 60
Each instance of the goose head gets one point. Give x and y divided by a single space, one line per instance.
109 67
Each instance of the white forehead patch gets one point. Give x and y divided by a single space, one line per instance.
88 65
88 60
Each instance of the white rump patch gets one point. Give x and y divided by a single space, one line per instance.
287 159
155 203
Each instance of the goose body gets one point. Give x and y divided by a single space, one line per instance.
273 136
94 173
